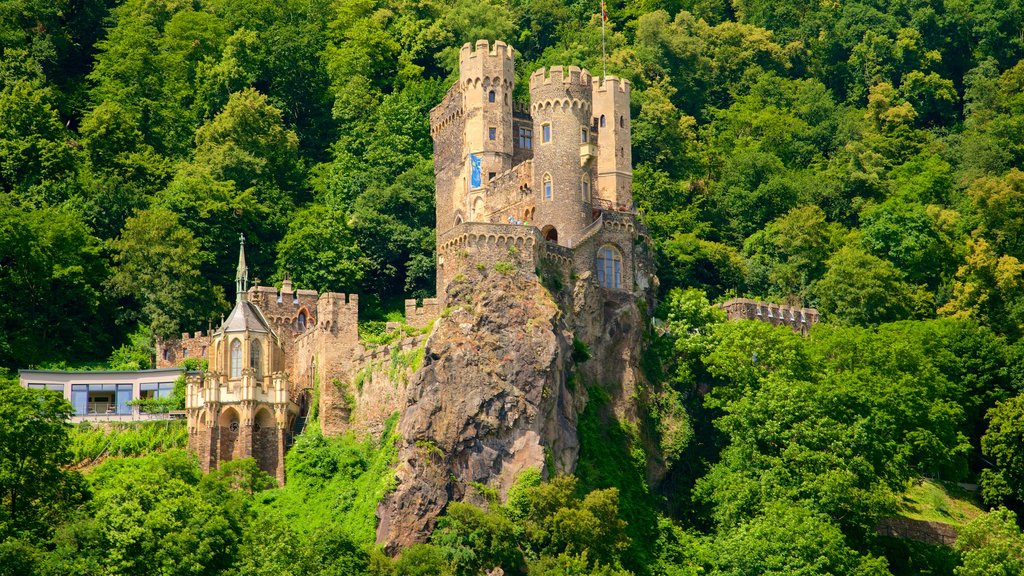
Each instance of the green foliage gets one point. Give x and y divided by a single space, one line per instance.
991 545
504 267
36 491
89 442
335 484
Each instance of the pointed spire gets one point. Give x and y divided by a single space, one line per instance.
242 275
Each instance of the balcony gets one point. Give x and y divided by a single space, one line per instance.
587 151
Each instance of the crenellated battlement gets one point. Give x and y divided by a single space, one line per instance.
798 318
419 315
484 49
560 75
611 83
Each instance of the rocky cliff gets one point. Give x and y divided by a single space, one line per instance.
492 398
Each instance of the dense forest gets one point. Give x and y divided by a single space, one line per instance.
864 157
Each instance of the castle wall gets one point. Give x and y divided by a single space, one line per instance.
172 352
510 195
799 319
379 380
420 315
446 129
487 76
561 102
483 245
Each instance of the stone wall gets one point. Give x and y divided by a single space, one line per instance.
799 319
481 245
420 315
934 533
172 352
379 382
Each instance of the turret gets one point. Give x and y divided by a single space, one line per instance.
487 77
614 152
564 154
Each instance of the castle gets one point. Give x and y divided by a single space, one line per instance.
545 189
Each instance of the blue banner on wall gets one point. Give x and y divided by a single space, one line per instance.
475 179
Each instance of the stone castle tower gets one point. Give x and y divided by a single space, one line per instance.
561 166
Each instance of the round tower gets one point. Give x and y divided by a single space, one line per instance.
487 77
563 151
614 148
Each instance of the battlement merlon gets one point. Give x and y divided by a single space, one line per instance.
613 83
484 49
560 75
486 63
420 316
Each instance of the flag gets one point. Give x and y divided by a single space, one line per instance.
475 179
604 12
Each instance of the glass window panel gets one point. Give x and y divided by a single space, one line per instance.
124 395
80 399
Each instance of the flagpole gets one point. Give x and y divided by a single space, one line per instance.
604 65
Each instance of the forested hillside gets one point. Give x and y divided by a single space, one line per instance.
862 157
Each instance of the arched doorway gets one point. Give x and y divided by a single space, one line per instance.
550 233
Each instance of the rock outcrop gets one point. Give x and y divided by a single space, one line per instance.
492 398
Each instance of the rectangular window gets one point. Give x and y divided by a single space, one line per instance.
526 138
583 136
545 136
547 190
492 133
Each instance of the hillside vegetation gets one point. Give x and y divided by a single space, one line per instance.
863 157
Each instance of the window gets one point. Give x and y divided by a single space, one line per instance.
548 192
583 136
301 322
545 135
609 267
184 352
155 391
491 175
492 133
490 96
236 358
526 138
101 399
256 358
168 355
585 187
622 121
602 120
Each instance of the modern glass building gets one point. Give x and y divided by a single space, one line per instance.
105 395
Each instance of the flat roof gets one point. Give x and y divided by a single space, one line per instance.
153 371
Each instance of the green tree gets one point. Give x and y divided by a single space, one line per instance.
320 253
789 540
991 545
36 492
1003 443
159 264
859 288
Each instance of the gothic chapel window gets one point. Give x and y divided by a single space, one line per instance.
302 321
236 358
256 358
609 267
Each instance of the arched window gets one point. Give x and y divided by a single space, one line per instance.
301 322
602 120
236 358
583 136
548 188
490 96
585 187
168 355
256 358
609 267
